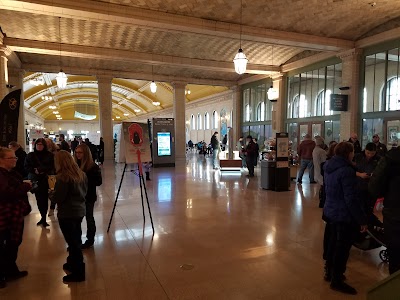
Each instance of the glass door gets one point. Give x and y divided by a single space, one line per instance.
392 133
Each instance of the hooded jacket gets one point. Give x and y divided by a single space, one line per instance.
385 180
342 203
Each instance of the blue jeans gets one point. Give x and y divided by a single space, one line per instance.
215 158
306 163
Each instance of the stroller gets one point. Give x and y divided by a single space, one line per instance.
373 238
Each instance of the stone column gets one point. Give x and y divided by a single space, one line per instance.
278 107
105 115
236 113
4 52
180 128
349 120
16 78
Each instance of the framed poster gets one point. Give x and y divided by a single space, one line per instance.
136 138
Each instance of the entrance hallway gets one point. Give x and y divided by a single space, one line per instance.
243 243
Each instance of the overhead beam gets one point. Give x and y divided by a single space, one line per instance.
126 75
121 14
87 52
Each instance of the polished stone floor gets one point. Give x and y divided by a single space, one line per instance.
217 236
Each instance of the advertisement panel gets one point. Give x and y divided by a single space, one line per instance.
137 144
163 143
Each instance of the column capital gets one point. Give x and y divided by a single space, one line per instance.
349 55
277 76
104 78
236 88
179 84
5 51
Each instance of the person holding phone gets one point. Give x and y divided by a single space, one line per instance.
14 206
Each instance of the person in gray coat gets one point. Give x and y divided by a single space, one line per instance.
69 193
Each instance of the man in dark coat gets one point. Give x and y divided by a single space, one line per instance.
385 182
356 143
14 206
63 143
251 155
380 148
215 146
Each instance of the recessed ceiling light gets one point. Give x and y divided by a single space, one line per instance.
126 115
156 103
118 117
137 110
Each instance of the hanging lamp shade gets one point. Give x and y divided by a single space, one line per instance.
272 93
240 62
153 87
61 80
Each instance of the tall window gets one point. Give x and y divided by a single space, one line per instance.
192 123
247 113
261 111
294 107
322 103
215 120
303 103
199 123
206 121
393 94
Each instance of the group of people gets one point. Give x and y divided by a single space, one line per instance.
74 194
351 181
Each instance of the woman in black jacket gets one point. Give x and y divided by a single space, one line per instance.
39 164
83 158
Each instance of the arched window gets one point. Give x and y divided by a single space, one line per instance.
295 107
247 113
392 94
192 123
206 121
199 123
302 108
261 111
214 120
319 107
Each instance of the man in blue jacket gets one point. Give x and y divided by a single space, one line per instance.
344 214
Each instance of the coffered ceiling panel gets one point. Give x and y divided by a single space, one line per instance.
138 39
329 18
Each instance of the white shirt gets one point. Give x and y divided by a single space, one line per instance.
319 156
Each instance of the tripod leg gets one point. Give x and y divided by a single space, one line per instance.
116 198
141 195
148 204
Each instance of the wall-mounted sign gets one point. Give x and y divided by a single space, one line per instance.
339 102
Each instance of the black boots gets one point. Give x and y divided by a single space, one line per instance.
86 245
148 176
343 287
77 274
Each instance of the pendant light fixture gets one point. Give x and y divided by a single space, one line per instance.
272 93
61 77
240 59
153 85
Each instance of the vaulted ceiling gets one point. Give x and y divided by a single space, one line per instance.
192 41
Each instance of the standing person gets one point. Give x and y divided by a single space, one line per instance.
385 182
319 157
83 158
21 155
53 148
257 152
251 155
101 151
356 143
69 193
14 206
305 151
344 212
63 143
215 146
39 164
224 142
380 148
74 144
240 148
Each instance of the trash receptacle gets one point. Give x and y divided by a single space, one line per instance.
268 174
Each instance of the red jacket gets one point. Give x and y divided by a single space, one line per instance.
14 204
305 149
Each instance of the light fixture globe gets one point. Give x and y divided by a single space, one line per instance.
153 87
272 94
240 62
61 80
